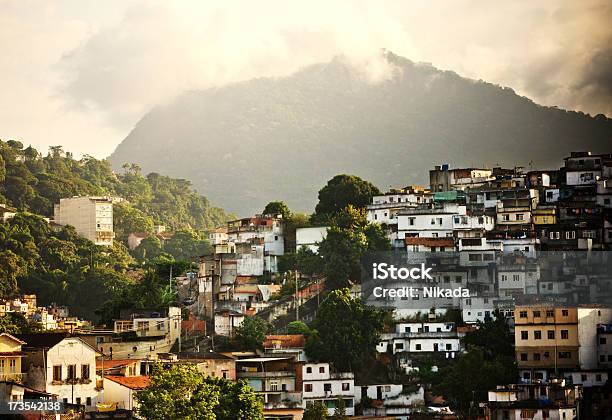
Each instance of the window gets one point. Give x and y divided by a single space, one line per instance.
457 279
322 369
12 365
523 314
565 312
78 400
602 340
524 335
550 313
327 387
536 357
411 221
551 334
346 386
583 377
71 372
307 387
537 335
519 216
546 355
524 357
399 346
536 314
57 373
88 401
570 235
273 386
84 371
598 377
417 346
308 369
564 334
565 355
449 347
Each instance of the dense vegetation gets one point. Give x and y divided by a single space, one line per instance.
181 392
62 267
351 344
32 182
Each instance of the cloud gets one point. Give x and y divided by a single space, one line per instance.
79 69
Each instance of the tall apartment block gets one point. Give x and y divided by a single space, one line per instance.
546 340
92 217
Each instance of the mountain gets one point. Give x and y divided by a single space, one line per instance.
248 143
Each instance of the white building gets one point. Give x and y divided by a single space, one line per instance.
61 365
226 322
310 237
92 217
422 337
593 336
588 378
385 208
319 384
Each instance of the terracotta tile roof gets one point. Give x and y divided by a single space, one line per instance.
430 241
132 382
286 341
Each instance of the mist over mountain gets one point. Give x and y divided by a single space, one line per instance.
249 143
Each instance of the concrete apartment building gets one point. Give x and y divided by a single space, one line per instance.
92 217
546 340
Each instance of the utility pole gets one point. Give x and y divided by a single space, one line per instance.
297 302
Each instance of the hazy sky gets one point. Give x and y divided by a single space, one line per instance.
81 73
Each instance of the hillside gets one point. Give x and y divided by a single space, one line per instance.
249 143
32 182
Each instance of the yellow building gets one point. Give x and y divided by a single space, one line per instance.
544 215
10 358
546 337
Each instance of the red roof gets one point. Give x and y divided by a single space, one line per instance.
430 241
132 382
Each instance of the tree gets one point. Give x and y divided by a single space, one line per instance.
181 392
178 392
308 262
315 410
128 219
484 374
13 323
237 400
298 327
493 336
187 246
342 191
348 238
489 361
251 333
349 344
278 207
340 410
149 248
11 267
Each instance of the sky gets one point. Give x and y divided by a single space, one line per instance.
81 73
